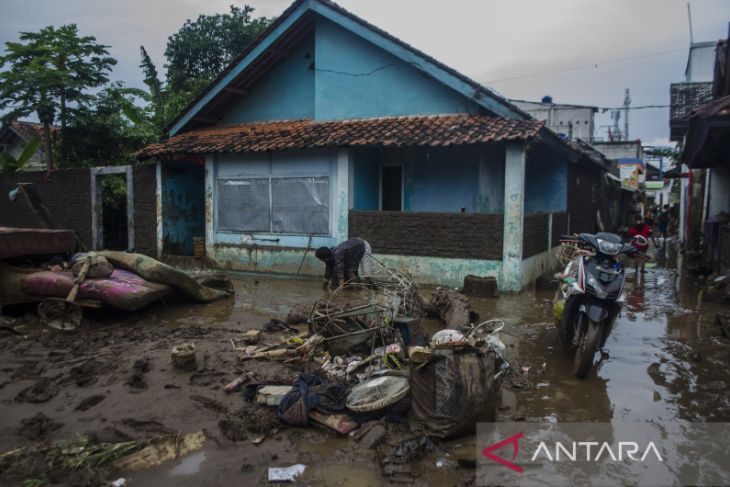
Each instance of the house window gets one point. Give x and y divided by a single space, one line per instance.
391 187
274 205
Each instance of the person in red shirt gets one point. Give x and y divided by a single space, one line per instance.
640 229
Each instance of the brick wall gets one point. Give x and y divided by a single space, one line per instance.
560 227
145 209
65 193
467 236
535 234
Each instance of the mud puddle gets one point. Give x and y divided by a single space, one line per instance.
113 381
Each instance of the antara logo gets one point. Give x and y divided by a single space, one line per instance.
590 451
625 450
514 440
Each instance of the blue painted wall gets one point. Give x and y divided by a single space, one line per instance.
183 200
442 180
285 93
435 180
367 179
356 79
546 184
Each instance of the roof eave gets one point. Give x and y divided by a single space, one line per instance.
472 90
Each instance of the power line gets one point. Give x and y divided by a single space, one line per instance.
584 66
642 107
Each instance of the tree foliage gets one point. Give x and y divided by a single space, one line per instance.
102 133
202 49
49 73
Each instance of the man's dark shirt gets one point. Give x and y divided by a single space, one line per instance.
345 257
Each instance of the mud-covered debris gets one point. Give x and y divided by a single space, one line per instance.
38 427
251 337
411 449
162 450
453 308
371 436
183 357
90 402
249 421
232 428
297 316
142 365
209 403
43 390
277 326
137 381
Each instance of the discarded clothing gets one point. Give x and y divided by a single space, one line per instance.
310 391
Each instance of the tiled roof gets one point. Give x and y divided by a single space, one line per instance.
28 130
442 130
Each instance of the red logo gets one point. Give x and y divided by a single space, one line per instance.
487 452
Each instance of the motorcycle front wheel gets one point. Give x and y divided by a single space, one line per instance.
588 342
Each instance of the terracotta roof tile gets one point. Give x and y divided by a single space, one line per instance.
443 130
28 130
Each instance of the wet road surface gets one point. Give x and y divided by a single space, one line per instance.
665 366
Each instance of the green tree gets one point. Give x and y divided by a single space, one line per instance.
49 73
109 130
203 48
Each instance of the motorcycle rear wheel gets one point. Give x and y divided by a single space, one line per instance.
588 342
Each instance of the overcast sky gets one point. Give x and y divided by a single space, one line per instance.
490 41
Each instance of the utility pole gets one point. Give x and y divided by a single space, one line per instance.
627 104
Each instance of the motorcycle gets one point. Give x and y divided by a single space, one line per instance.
586 303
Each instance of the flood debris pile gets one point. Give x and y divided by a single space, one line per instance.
81 461
365 367
65 281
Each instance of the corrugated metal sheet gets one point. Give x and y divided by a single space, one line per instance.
15 242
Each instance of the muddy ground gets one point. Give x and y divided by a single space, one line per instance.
112 381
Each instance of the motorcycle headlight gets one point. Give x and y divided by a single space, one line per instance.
609 248
596 286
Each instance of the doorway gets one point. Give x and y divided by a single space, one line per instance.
391 187
112 203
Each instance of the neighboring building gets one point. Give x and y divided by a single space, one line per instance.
15 135
328 127
695 91
569 121
629 158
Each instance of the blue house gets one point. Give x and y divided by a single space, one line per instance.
327 127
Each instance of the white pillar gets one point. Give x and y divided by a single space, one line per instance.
514 209
683 193
158 206
210 196
342 203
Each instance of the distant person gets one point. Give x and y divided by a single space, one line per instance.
640 233
649 217
663 221
342 261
